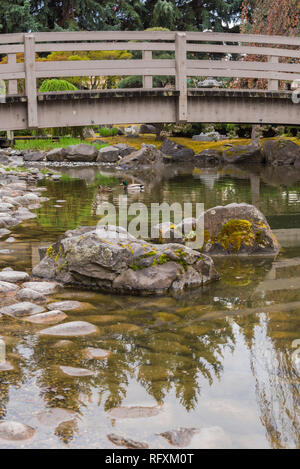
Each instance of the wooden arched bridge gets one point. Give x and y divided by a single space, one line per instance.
230 57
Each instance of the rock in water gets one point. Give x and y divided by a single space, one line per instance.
71 371
148 156
134 412
281 152
73 328
239 229
13 276
176 151
250 154
15 431
113 260
19 310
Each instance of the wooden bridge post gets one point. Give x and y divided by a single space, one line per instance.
30 79
273 84
12 84
181 85
147 79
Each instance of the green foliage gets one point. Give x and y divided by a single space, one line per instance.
48 144
56 85
106 132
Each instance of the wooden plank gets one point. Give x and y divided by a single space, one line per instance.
12 49
212 72
12 84
147 79
66 72
11 75
236 37
105 36
273 84
249 50
116 65
244 65
30 73
181 82
11 38
90 46
12 67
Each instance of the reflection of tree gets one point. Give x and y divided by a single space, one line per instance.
277 382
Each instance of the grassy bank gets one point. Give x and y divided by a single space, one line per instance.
48 144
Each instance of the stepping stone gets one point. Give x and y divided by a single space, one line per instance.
73 328
60 201
134 412
7 287
45 288
63 343
13 276
55 416
71 371
19 310
15 431
68 305
6 366
92 353
26 294
48 317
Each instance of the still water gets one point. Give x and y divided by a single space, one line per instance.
221 360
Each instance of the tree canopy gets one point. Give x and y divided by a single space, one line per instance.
93 15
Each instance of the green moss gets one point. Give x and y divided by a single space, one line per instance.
149 254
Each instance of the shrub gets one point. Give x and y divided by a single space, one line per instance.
56 85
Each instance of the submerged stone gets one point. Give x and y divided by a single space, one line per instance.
127 442
180 437
134 412
96 353
15 431
48 317
72 371
55 416
6 366
25 308
73 328
68 305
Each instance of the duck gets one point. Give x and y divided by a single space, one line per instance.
104 189
134 187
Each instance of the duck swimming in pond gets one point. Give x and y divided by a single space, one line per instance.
133 187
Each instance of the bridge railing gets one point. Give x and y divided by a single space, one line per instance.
273 58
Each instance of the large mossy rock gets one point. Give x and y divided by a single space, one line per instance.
250 154
148 156
114 261
176 151
281 152
239 229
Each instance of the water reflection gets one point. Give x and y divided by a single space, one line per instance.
217 359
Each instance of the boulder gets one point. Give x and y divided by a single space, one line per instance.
108 154
88 132
176 151
239 229
148 156
124 149
34 156
250 154
56 154
210 157
82 152
123 264
147 129
281 152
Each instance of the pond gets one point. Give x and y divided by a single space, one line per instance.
221 360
